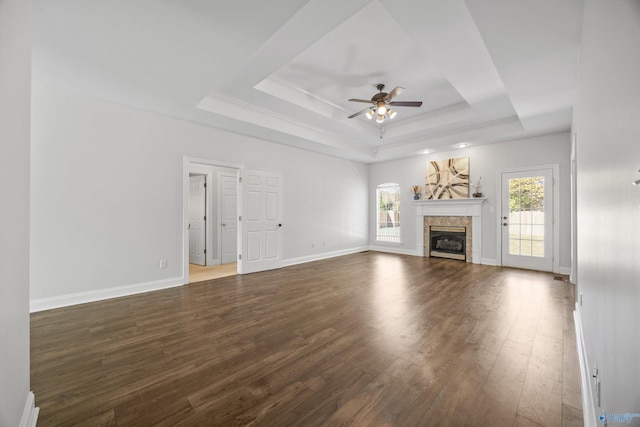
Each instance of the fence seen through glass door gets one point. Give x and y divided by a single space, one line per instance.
526 216
388 213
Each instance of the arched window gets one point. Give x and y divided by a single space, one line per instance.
388 213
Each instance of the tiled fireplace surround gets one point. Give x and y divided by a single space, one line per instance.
459 212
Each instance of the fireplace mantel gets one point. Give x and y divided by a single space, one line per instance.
471 207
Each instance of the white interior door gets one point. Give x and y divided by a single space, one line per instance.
197 213
261 223
527 219
228 217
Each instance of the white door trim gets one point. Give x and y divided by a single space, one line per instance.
220 228
198 219
208 172
556 210
188 161
573 277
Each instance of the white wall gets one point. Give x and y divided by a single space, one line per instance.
15 72
607 125
484 161
107 194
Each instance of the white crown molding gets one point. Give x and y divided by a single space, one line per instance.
277 86
219 103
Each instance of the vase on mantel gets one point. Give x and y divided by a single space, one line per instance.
416 196
477 195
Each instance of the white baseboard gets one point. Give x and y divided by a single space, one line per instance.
30 412
393 250
564 270
588 409
493 261
102 294
325 255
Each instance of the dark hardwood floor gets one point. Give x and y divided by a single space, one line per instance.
366 339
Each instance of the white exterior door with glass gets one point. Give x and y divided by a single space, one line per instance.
527 219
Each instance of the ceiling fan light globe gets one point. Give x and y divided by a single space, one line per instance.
369 114
380 118
392 114
382 110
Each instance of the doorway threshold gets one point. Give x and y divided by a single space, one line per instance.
201 273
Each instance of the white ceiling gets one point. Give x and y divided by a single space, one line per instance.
486 70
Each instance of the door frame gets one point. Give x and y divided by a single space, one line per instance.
219 175
573 276
207 229
555 189
187 163
200 169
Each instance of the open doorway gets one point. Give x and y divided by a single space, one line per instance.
259 208
198 219
210 205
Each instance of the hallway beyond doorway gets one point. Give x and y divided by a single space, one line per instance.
199 273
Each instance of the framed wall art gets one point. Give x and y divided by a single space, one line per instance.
447 179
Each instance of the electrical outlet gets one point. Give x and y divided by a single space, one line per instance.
163 263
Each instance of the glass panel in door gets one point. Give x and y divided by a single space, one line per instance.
527 217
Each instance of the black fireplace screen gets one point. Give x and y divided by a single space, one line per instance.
448 242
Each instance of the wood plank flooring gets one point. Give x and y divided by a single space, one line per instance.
200 273
365 339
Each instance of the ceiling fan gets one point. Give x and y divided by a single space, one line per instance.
381 102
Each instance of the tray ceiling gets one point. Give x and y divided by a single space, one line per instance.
485 70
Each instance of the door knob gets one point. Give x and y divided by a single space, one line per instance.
504 217
224 225
279 225
505 224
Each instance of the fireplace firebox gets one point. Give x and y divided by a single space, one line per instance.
448 242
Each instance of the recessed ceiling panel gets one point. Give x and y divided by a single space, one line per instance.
368 48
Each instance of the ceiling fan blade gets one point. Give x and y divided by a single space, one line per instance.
406 103
395 92
359 112
368 101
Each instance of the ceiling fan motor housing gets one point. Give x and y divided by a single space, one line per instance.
379 97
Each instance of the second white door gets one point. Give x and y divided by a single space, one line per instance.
261 236
228 217
197 212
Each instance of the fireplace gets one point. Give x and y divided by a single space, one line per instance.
448 242
465 213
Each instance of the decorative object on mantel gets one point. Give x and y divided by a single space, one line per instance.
476 186
448 179
416 190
